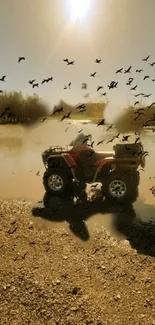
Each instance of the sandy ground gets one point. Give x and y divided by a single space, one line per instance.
100 270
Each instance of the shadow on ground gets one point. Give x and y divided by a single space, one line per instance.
140 234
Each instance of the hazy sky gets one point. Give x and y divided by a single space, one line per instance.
120 32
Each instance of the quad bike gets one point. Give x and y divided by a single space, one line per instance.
69 169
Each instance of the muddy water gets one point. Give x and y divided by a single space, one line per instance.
20 160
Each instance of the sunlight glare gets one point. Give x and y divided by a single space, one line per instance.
79 8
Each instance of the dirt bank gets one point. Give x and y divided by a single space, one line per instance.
47 277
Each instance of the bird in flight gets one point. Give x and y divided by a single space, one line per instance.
80 131
117 136
146 77
119 70
152 64
147 96
99 88
3 78
137 102
128 70
134 88
100 142
145 59
31 81
111 140
47 80
98 60
93 74
66 116
139 71
44 80
112 85
137 139
140 109
58 110
70 62
21 58
102 122
129 81
35 85
153 104
125 138
137 95
50 79
44 119
81 106
139 114
109 127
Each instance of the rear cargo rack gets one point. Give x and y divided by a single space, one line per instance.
128 150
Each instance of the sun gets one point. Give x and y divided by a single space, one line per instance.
79 9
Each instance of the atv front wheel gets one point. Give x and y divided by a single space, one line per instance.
120 187
56 182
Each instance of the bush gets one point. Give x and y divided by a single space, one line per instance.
15 108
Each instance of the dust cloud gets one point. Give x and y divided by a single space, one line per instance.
133 120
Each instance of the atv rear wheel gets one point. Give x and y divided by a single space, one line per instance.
120 187
56 182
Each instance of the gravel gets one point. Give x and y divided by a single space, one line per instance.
48 277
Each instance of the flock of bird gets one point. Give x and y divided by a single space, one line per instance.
113 84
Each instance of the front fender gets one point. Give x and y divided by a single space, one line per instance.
69 160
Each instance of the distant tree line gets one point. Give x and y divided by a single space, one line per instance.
15 108
92 110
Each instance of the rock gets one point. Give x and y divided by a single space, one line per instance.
65 257
31 225
74 308
58 282
75 291
142 315
117 297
